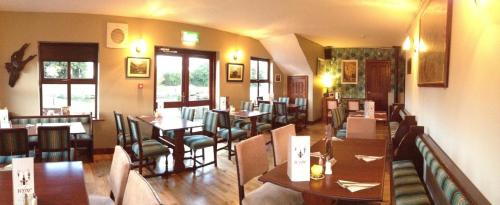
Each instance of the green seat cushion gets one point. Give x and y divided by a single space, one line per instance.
261 127
127 138
150 148
8 159
81 137
285 119
236 133
198 141
171 134
342 134
240 123
58 156
408 189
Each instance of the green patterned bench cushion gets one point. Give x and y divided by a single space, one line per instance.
150 148
408 189
261 127
445 182
236 133
198 141
58 156
63 119
393 127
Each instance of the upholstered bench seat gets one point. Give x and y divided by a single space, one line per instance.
393 127
150 148
408 189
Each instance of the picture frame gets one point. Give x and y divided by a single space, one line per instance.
116 35
349 72
235 72
277 78
138 67
434 44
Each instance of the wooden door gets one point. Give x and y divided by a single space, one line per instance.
297 87
378 82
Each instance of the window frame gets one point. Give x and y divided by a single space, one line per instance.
259 81
69 57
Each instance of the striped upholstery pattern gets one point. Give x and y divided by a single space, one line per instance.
209 125
246 105
210 122
408 188
84 119
285 100
227 129
338 116
450 190
13 142
393 128
263 107
301 103
54 143
187 113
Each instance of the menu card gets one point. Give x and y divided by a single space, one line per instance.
4 118
23 180
299 158
369 109
223 103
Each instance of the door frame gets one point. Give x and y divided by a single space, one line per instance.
185 83
288 85
366 78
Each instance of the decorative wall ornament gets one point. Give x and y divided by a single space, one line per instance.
349 72
117 35
138 67
434 44
17 64
234 72
277 78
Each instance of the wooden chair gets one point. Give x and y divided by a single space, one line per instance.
13 144
122 138
361 128
207 138
139 191
352 105
228 133
280 113
285 100
85 140
54 144
265 122
281 137
302 106
187 113
338 118
244 105
117 179
251 161
146 149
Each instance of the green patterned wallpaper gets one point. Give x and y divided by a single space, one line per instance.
361 54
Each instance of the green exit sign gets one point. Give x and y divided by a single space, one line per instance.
190 37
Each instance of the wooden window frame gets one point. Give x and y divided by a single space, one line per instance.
69 81
259 81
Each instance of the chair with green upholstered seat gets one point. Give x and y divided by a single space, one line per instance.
54 144
122 138
281 116
265 122
146 149
338 118
206 138
228 133
187 113
244 105
13 144
302 106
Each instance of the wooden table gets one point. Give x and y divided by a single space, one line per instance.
56 183
178 126
380 116
347 168
74 127
252 115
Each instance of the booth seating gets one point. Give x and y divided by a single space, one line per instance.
417 158
400 122
78 140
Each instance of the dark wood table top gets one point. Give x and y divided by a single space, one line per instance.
248 114
74 127
347 167
170 123
379 115
56 183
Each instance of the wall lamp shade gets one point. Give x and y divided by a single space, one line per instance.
407 44
139 46
327 81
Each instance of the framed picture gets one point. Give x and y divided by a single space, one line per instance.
277 78
349 71
138 67
434 44
116 35
234 72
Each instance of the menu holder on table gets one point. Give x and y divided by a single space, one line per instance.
369 109
299 158
23 180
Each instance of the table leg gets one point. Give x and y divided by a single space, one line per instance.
179 150
310 199
253 131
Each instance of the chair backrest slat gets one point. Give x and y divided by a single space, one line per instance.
246 105
265 107
187 113
53 138
210 122
14 141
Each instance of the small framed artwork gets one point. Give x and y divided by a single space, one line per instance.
408 66
234 72
138 67
349 72
277 78
116 35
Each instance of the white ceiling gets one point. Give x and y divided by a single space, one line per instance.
338 23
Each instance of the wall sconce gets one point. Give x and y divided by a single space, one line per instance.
422 47
237 54
138 46
407 44
327 81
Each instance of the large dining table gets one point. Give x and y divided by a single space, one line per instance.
178 126
74 127
56 183
347 167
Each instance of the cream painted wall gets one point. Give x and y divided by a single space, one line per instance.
115 91
464 118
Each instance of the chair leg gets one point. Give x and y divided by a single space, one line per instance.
203 154
215 154
194 159
165 174
140 166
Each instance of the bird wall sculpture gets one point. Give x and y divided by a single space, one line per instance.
17 64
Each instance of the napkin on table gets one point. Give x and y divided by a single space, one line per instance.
355 186
367 158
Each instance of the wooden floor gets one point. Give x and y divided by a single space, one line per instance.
208 185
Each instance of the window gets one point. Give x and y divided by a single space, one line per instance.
259 78
68 77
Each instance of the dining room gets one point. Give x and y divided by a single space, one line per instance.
238 102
